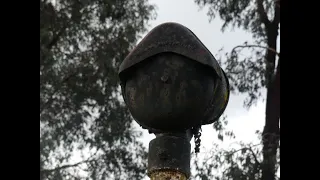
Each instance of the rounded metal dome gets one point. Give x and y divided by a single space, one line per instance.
170 81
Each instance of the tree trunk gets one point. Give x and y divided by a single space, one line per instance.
271 132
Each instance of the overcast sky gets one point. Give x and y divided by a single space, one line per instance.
244 123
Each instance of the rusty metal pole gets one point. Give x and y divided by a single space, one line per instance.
172 86
169 157
167 175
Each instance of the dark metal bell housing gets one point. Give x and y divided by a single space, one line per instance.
171 82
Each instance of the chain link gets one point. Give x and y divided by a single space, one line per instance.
197 134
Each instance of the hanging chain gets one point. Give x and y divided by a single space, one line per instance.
197 134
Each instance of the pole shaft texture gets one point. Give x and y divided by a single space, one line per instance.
169 157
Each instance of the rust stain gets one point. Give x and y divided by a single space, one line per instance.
225 98
167 175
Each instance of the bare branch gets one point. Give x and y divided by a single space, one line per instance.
90 159
245 148
46 171
254 155
262 13
255 46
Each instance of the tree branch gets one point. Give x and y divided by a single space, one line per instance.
262 13
74 17
58 35
276 19
254 155
245 148
46 171
56 38
46 104
255 46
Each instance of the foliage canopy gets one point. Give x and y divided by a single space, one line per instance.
82 43
250 75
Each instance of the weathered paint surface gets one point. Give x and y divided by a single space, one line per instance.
172 78
170 92
170 152
167 175
171 37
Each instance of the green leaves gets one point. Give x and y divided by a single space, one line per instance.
250 69
241 163
245 65
82 43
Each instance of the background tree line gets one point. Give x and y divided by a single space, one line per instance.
250 75
82 43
